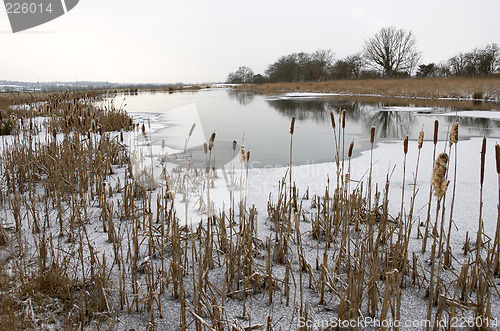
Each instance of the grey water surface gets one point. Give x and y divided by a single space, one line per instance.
262 123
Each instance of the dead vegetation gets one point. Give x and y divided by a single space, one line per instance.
453 91
82 250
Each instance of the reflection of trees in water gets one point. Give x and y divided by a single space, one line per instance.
316 110
390 124
477 122
244 98
477 125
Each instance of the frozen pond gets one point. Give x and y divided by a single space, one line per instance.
262 123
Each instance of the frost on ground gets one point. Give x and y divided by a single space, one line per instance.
163 238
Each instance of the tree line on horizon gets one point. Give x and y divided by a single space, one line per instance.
390 53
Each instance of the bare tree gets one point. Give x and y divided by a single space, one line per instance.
242 76
478 62
356 64
321 62
301 67
393 51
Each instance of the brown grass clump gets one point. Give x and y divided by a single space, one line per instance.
450 87
438 175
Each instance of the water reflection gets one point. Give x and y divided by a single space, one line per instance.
316 110
391 124
243 98
388 124
262 123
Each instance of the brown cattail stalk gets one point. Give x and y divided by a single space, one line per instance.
372 139
401 213
453 141
419 145
292 127
454 134
480 226
343 140
429 204
495 256
336 156
191 130
343 119
436 129
211 141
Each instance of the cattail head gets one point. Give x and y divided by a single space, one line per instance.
483 156
163 144
497 157
192 129
235 143
436 128
248 156
438 175
372 134
205 148
143 128
211 141
420 139
292 125
242 155
343 119
405 145
121 137
454 134
351 147
332 119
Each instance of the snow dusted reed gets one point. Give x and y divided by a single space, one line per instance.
102 229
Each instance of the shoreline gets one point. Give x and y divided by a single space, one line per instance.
462 93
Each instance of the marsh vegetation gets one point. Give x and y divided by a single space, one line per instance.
89 243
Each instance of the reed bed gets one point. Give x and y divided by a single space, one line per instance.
86 244
450 87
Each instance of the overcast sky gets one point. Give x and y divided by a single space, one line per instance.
167 41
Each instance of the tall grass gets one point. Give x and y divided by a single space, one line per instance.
89 243
423 88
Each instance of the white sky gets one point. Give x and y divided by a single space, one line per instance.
193 41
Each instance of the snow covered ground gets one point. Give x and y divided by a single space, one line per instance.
151 161
262 184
